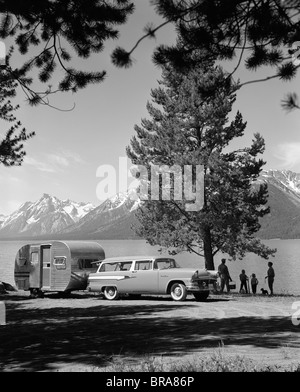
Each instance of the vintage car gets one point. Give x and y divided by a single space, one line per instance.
136 275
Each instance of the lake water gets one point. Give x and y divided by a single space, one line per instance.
286 261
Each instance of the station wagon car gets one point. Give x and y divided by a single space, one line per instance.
150 275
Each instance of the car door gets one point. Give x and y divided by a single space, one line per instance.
114 273
123 276
144 277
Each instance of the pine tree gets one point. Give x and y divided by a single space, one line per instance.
189 126
11 146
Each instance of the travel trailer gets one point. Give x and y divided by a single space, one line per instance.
60 266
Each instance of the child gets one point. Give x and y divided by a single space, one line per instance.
243 278
254 283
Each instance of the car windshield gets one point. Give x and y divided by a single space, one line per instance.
166 264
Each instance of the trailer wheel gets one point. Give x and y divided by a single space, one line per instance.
36 293
201 296
178 292
65 294
111 293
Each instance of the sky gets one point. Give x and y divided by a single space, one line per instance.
73 151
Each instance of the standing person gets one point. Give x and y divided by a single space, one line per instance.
224 275
244 278
270 276
254 283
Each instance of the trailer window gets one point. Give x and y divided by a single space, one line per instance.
60 262
34 260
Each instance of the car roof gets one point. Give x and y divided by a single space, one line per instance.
134 258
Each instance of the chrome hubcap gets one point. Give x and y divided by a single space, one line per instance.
178 291
111 292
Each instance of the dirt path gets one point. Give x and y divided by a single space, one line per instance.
85 332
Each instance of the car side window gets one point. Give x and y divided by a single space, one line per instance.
123 266
164 264
143 265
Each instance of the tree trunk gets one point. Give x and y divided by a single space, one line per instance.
208 254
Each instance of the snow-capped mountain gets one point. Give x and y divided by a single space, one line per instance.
2 219
284 201
48 215
113 216
56 218
285 180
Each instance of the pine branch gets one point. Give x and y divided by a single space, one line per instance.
290 102
85 26
122 58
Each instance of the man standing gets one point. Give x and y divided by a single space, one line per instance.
270 276
224 275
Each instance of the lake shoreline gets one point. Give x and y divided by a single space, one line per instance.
285 263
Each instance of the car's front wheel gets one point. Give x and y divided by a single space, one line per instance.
178 292
201 296
111 293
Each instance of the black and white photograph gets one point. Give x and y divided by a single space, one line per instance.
150 189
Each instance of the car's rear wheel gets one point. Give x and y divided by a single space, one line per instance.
178 292
111 293
201 296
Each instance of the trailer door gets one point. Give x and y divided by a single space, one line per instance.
46 265
35 267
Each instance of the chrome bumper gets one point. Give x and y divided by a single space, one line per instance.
199 286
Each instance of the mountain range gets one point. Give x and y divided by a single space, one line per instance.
51 217
113 219
283 221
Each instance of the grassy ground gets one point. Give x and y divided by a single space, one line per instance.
154 334
219 361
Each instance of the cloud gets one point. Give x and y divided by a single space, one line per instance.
53 163
72 156
39 165
58 160
289 154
